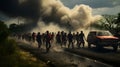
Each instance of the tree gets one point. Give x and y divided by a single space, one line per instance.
118 25
4 32
16 29
13 28
118 19
110 23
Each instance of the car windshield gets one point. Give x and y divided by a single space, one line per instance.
104 33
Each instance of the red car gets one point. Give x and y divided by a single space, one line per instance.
101 39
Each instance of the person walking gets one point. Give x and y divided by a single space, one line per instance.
38 39
70 40
81 39
48 41
58 38
64 39
77 39
33 36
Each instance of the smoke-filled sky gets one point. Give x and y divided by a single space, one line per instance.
57 14
99 6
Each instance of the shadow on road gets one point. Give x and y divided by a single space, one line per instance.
102 50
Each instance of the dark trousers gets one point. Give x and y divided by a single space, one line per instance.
48 45
70 44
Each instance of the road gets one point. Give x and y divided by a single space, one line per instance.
59 57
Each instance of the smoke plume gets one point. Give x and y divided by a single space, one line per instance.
78 17
52 13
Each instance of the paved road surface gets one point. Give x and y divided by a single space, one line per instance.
59 57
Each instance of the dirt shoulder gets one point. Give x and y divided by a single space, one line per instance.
52 59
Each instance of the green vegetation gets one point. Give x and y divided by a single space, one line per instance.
15 28
109 22
11 55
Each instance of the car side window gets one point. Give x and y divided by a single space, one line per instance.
100 34
93 33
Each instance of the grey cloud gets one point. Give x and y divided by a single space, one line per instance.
49 11
92 3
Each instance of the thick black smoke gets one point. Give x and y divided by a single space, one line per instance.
29 8
49 11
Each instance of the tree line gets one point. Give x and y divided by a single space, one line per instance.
110 23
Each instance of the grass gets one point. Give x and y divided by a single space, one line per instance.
21 59
12 56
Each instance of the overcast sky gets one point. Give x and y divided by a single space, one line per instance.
111 7
99 6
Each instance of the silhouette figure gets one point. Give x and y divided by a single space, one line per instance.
81 39
38 39
48 39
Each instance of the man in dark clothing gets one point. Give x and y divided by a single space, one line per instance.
38 39
52 37
77 38
58 38
74 38
43 38
33 36
81 39
64 39
70 40
29 37
48 39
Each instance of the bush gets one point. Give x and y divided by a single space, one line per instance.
4 32
8 47
10 54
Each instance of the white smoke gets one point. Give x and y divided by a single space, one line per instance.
78 17
42 27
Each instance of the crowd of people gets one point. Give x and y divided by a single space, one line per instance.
68 40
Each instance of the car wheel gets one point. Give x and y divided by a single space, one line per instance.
99 46
115 47
89 45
